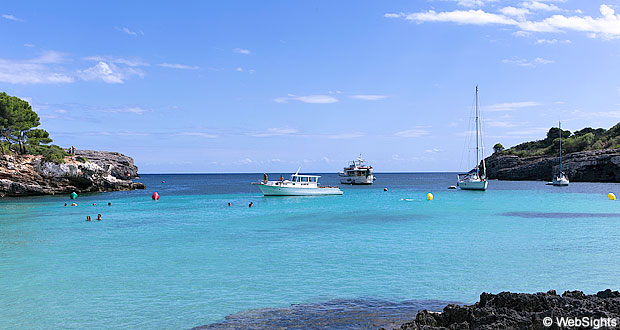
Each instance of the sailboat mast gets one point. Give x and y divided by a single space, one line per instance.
560 132
477 135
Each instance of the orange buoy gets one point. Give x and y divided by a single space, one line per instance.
155 196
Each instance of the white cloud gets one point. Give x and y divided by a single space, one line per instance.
473 3
432 151
528 63
11 18
342 136
128 31
519 13
607 25
552 41
198 134
412 133
239 69
369 97
134 110
38 70
117 60
109 73
393 15
277 131
242 51
29 45
178 66
316 99
537 5
511 106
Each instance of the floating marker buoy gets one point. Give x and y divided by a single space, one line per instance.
429 197
164 181
611 196
73 195
384 189
155 196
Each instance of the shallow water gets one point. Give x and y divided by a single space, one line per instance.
188 259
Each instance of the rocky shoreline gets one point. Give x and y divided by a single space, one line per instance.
86 171
508 310
585 166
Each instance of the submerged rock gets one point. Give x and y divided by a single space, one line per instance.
508 310
585 166
87 171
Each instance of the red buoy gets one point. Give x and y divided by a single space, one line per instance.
155 196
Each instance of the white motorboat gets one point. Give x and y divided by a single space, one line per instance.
560 180
476 178
357 172
298 185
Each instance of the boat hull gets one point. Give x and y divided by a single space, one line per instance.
560 183
473 185
293 191
344 179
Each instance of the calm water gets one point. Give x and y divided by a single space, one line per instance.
189 260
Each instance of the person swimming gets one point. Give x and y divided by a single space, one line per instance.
99 217
109 204
229 204
251 203
73 204
88 218
66 204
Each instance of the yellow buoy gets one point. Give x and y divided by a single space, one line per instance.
611 196
429 197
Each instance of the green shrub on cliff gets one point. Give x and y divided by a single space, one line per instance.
581 140
19 133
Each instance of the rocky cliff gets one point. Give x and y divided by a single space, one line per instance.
525 311
587 166
86 171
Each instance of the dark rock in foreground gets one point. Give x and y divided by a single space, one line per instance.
87 171
524 311
585 166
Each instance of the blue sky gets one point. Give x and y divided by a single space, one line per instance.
249 86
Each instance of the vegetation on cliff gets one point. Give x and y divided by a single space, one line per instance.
582 140
19 133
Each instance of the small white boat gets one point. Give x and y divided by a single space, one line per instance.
357 172
560 180
298 185
475 179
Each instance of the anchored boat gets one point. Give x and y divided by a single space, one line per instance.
357 172
475 179
298 185
560 180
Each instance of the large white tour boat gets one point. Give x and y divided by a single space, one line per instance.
357 172
298 185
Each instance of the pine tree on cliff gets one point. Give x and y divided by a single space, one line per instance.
18 124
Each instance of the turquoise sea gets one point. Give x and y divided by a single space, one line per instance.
189 260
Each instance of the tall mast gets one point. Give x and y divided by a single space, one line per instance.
477 135
560 131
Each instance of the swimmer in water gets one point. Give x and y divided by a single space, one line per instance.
88 218
229 204
99 217
66 204
109 204
251 203
73 204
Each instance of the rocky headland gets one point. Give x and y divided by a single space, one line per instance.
585 166
525 311
86 171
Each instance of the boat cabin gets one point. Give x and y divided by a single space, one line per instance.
304 178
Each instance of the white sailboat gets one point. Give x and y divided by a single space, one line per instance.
560 180
475 179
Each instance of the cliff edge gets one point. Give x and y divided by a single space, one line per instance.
584 166
86 171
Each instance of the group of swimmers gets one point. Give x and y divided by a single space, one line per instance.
98 217
94 204
249 205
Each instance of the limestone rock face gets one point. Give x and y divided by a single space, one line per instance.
87 171
586 166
